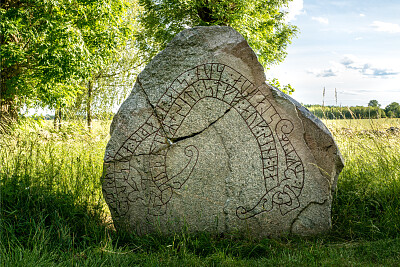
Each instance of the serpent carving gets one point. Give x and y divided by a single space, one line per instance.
125 181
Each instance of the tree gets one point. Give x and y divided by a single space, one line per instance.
112 78
49 47
109 86
393 110
261 22
373 103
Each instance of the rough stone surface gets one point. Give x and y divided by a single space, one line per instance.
203 142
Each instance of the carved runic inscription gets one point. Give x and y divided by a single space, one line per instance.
126 180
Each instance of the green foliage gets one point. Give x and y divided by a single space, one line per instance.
357 112
287 89
262 23
48 47
393 110
109 86
374 103
52 213
373 111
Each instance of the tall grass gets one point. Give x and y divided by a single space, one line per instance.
367 201
53 213
50 187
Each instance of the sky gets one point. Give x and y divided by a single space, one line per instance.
349 46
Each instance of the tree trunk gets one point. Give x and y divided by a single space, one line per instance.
9 104
89 105
57 119
8 113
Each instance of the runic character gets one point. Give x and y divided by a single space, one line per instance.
254 120
258 99
230 94
210 85
216 71
190 96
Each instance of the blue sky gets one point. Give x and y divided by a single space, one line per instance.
353 46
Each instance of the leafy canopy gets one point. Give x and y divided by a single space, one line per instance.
49 46
374 103
261 22
393 110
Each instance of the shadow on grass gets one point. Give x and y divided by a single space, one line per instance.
41 225
35 215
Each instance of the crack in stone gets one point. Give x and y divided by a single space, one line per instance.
178 139
171 141
175 140
308 205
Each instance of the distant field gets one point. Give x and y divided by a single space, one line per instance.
53 212
363 124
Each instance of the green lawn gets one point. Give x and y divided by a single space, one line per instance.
53 213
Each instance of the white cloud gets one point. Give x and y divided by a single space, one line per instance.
362 15
327 73
321 20
294 8
358 38
351 62
348 60
324 73
386 27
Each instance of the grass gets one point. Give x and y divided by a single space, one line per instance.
53 213
367 202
